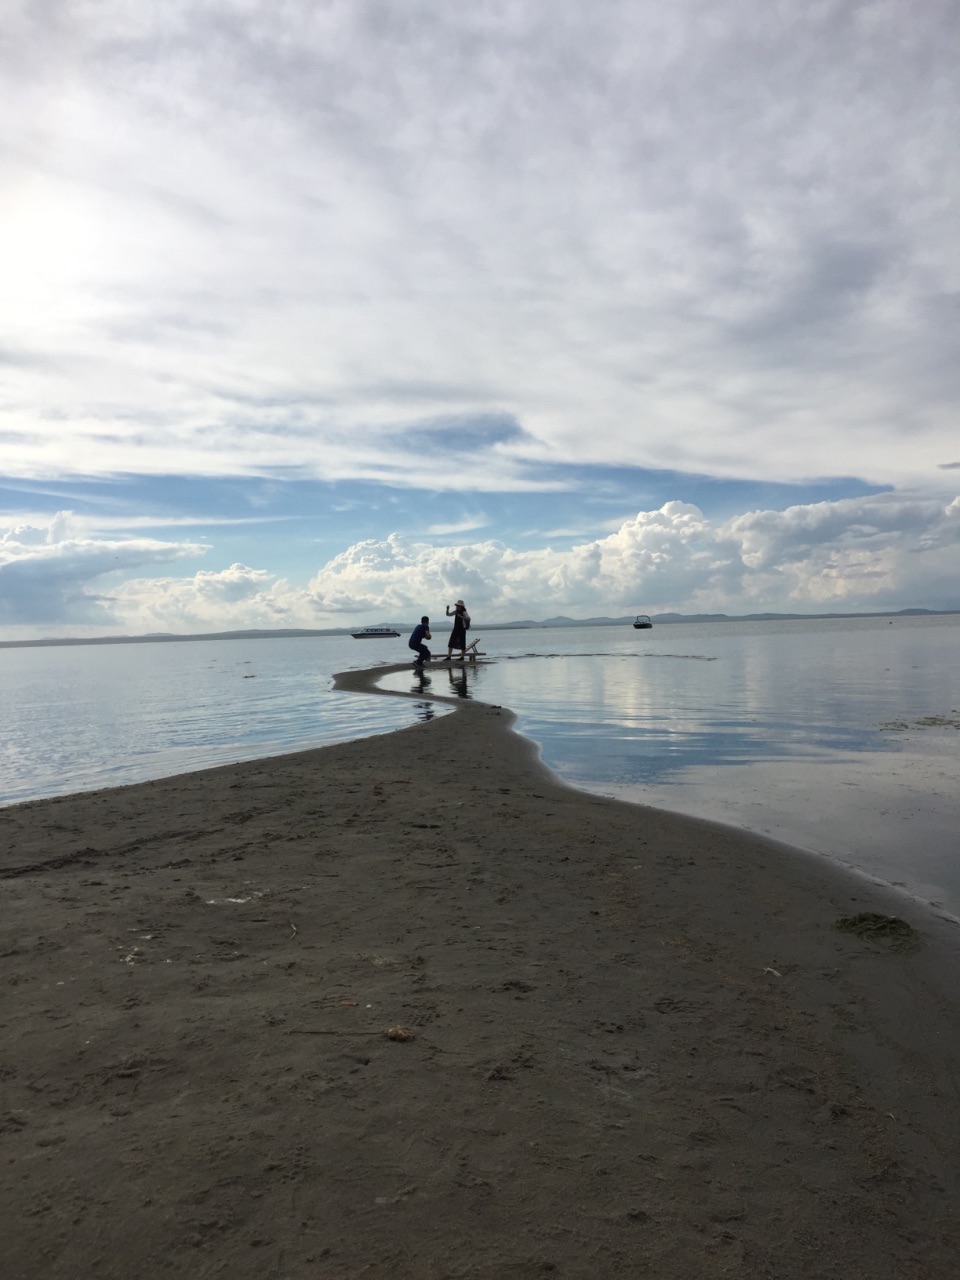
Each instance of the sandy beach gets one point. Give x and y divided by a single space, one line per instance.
408 1007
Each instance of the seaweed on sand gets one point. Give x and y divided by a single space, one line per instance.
874 927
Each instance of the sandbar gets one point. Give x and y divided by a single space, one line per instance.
410 1007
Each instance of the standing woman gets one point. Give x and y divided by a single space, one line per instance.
458 636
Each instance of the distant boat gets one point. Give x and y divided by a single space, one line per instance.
374 633
642 623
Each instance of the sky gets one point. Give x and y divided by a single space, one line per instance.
317 313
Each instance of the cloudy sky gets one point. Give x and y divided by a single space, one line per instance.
318 312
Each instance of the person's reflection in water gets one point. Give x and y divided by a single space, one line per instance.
424 711
458 681
421 681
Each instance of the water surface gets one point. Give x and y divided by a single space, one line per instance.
835 735
79 717
841 736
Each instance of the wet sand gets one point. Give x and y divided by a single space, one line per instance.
896 818
630 1043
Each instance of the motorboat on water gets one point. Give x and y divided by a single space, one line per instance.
374 633
642 623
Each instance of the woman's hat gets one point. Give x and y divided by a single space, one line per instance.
459 602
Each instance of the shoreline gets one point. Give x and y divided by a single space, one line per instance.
640 1045
712 805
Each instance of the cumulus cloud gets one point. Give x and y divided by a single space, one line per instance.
235 598
871 553
874 553
52 576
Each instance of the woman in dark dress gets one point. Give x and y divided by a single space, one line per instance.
458 636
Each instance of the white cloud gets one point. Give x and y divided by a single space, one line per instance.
52 577
247 238
875 553
467 525
236 598
872 553
451 246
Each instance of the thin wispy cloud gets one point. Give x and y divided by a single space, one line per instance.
460 526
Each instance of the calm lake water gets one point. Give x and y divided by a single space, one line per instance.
79 717
839 736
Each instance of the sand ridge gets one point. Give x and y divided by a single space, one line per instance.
640 1047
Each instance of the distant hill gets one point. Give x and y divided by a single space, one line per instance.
562 621
163 637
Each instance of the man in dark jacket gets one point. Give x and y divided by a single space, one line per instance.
420 633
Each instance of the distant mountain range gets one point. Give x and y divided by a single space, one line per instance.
526 624
561 621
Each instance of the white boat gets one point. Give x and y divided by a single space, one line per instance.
642 623
373 633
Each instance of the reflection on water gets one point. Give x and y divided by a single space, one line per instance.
783 727
625 717
79 717
457 675
446 678
421 681
780 727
